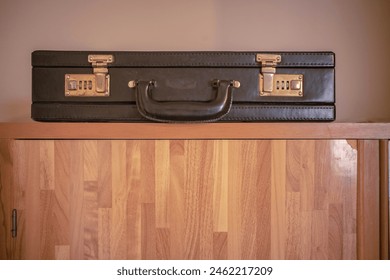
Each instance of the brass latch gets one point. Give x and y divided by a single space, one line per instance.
87 85
272 84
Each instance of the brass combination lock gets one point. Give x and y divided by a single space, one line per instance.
272 84
89 85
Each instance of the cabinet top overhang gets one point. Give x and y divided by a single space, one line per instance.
40 130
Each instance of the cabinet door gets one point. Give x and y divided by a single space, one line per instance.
186 199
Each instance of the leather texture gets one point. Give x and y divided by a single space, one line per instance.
183 84
76 112
180 59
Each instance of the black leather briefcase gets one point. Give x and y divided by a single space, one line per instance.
183 86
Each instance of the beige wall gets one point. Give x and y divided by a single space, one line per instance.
358 31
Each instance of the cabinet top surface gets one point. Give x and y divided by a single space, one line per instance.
37 130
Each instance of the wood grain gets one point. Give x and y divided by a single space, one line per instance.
120 196
186 199
75 165
27 199
6 204
278 199
384 157
368 214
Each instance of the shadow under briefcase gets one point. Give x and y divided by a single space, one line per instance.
182 86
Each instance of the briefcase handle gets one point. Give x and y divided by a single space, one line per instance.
184 111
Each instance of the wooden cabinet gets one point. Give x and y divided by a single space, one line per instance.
95 191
